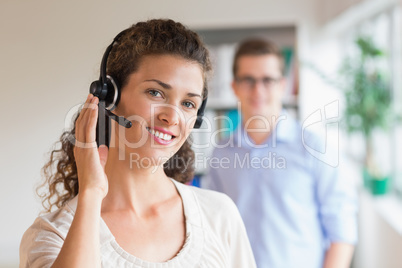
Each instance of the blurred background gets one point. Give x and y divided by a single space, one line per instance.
343 63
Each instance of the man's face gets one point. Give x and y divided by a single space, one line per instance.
259 85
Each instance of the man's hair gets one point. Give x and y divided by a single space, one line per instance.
257 47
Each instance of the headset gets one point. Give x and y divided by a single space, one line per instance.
108 92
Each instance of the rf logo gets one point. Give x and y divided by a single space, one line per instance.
327 150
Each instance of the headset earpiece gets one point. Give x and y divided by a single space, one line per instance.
113 94
108 92
106 89
98 90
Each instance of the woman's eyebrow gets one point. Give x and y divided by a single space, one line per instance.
164 85
194 95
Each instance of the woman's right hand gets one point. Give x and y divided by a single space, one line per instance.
90 160
81 245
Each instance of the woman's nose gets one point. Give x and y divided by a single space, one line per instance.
169 115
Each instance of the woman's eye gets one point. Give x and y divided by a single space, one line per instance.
188 104
154 93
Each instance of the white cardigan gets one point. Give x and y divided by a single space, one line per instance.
215 236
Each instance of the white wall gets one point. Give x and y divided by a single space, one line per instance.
379 242
50 52
330 9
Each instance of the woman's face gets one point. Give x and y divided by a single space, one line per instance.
161 99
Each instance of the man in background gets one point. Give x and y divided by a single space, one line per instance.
297 211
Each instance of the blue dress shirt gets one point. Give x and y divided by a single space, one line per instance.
293 205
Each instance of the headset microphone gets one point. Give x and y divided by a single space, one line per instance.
119 119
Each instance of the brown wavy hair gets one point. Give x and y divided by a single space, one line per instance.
153 37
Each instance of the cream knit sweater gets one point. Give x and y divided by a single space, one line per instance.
215 236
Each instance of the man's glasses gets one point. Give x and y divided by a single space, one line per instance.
250 82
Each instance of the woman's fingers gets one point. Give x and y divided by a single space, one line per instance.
92 117
85 109
90 161
85 126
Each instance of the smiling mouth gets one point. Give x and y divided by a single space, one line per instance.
160 135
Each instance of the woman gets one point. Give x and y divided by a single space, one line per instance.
119 206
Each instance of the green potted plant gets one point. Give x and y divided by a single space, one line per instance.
367 93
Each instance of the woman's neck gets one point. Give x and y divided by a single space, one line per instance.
132 187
